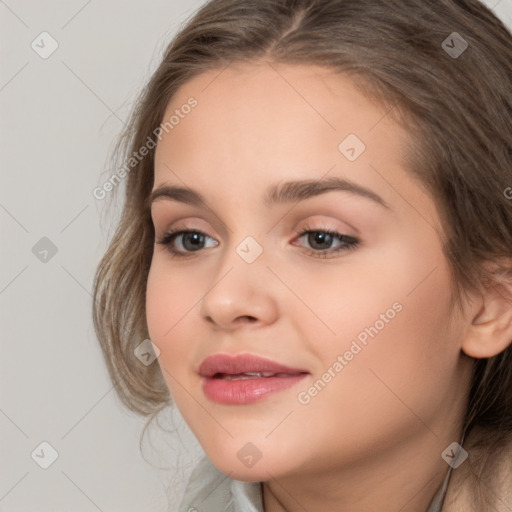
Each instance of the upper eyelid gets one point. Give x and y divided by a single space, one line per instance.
308 221
176 232
301 231
163 200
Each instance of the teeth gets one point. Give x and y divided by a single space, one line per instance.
252 375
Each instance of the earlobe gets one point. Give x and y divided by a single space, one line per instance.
490 331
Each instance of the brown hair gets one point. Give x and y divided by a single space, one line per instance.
457 108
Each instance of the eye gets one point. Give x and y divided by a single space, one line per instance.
325 242
181 242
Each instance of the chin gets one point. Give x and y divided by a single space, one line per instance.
249 464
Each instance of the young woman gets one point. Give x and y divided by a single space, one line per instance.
317 240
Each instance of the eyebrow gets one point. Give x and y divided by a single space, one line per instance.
291 191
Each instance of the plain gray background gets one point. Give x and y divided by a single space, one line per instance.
60 116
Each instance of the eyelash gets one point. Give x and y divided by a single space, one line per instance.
348 243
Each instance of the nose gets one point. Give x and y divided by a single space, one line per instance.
240 294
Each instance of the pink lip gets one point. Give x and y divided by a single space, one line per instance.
219 370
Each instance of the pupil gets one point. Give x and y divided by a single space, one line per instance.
195 239
320 240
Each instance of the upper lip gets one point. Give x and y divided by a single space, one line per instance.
242 363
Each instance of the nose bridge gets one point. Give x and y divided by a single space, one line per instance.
242 286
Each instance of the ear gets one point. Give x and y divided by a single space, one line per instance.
490 331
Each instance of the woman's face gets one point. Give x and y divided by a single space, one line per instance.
312 248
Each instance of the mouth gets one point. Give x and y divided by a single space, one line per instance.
243 379
250 375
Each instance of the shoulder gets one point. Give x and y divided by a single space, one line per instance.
484 481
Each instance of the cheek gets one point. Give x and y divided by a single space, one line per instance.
394 336
171 298
395 382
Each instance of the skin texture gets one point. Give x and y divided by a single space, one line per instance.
372 438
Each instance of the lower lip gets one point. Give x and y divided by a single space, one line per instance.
246 391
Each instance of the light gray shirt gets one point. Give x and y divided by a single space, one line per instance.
209 490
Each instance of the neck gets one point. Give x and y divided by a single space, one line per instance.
404 477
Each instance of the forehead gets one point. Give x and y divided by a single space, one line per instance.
268 120
264 97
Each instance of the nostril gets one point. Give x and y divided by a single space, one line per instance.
240 319
247 318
